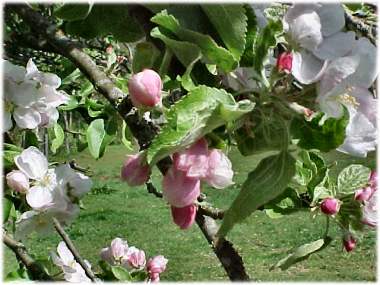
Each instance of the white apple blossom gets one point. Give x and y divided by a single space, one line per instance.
115 252
345 83
315 34
31 96
73 271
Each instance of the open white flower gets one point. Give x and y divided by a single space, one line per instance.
75 184
31 96
72 270
315 32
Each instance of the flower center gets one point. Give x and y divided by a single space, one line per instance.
349 99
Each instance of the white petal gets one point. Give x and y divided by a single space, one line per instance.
27 118
64 253
332 18
33 221
297 10
366 72
22 94
13 72
81 184
306 30
39 197
307 68
336 72
367 104
32 162
31 70
7 121
339 44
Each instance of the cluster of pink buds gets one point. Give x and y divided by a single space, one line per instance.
284 62
145 88
132 258
181 184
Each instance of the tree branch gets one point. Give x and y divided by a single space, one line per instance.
358 25
34 268
73 250
142 130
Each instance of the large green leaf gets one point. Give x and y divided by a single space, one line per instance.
7 206
187 53
265 41
210 50
9 153
199 112
73 12
353 178
121 273
59 136
252 29
265 183
231 23
301 253
107 19
145 56
315 135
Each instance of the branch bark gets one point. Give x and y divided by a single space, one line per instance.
73 250
142 130
34 268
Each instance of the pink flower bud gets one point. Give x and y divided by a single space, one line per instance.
154 277
220 173
145 88
184 217
194 160
330 206
109 49
135 170
118 248
349 242
17 181
178 189
373 179
156 265
284 62
363 194
135 258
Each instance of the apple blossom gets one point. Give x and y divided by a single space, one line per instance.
32 96
184 217
115 252
73 271
75 183
370 211
315 32
17 181
219 173
330 206
145 88
349 242
178 189
284 62
155 266
194 160
135 171
134 258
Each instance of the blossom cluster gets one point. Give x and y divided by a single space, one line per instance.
367 196
133 259
30 96
343 67
50 192
182 183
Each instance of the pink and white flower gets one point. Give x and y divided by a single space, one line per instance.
135 258
18 181
155 266
219 173
370 211
135 171
145 88
115 252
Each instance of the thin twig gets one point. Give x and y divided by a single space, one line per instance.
35 270
359 26
73 250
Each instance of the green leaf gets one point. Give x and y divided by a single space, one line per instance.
187 53
199 112
7 206
300 254
107 19
73 12
210 50
252 29
352 178
126 136
231 23
17 275
31 139
70 105
69 79
266 40
265 183
9 153
95 137
284 204
59 136
145 56
121 273
314 135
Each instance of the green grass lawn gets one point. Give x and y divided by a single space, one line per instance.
113 209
